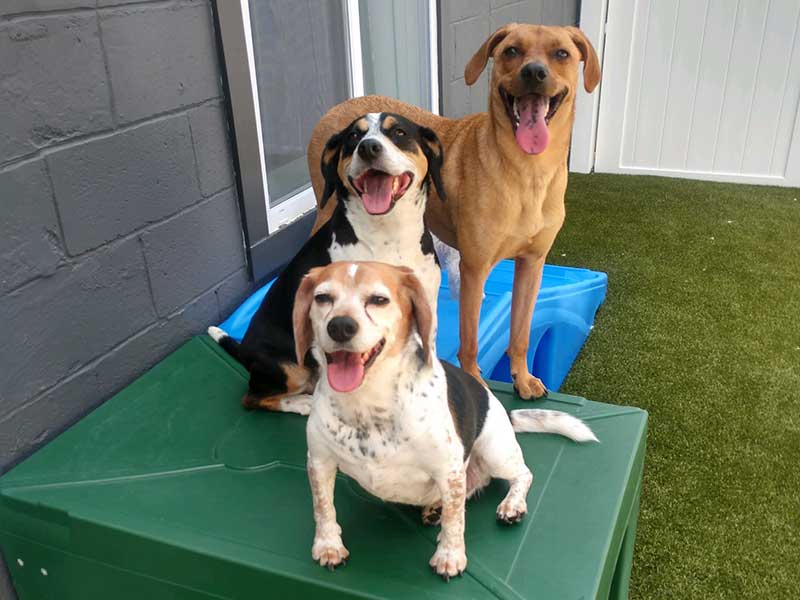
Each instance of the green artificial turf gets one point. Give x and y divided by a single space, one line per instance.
701 327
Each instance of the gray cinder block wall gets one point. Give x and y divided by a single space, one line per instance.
465 24
120 234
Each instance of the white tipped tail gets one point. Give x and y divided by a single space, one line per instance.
216 333
539 420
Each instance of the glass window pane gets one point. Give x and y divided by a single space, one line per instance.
395 49
301 58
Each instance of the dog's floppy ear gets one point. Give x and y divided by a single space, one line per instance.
477 63
434 153
301 321
330 167
591 64
421 311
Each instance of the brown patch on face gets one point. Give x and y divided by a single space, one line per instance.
343 168
389 121
420 161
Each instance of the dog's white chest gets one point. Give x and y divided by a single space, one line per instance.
397 456
397 479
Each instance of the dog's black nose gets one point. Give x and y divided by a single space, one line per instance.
369 149
534 73
342 329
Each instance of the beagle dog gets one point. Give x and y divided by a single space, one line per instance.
406 426
379 167
505 171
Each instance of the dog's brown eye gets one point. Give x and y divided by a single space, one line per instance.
353 135
561 54
323 298
511 51
399 132
377 300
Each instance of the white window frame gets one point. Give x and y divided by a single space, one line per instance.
262 220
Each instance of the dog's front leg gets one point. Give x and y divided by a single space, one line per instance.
527 281
473 279
450 558
328 548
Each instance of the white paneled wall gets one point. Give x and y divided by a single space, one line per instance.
704 89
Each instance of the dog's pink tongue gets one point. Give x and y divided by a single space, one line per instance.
377 195
345 371
532 133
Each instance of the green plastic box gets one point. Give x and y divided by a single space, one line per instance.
171 490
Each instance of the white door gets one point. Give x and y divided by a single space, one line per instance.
702 89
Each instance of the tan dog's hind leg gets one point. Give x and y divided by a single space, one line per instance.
527 281
328 549
450 558
469 308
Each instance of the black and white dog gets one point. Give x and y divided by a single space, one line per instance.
408 427
380 167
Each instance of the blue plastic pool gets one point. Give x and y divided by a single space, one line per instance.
565 310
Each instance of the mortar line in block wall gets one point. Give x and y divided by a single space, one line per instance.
153 224
71 260
86 10
147 275
194 156
95 360
79 140
111 102
61 239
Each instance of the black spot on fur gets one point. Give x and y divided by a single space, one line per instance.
426 242
420 354
469 403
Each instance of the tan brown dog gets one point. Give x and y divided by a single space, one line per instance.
504 174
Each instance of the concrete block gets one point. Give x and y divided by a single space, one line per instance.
15 7
233 291
212 148
468 35
52 82
62 406
66 320
456 99
113 185
479 93
29 240
458 10
160 58
194 251
513 13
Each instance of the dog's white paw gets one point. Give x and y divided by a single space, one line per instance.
300 404
216 333
512 510
449 562
329 552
